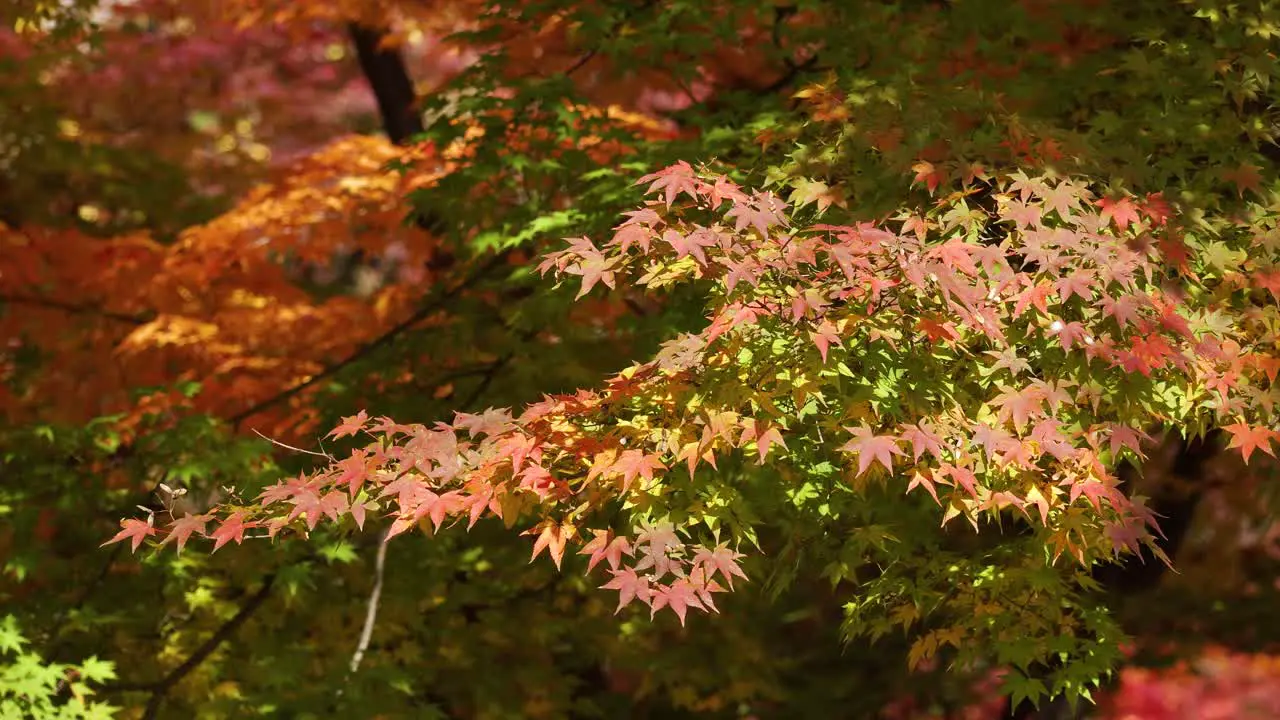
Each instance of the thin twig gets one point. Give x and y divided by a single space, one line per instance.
277 443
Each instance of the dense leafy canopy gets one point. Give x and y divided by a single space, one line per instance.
907 340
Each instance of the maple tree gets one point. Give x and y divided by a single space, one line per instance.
919 327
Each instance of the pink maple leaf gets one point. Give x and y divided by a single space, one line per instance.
135 530
721 560
605 547
350 425
871 448
679 596
630 586
184 528
491 422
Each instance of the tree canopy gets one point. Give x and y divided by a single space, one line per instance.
636 358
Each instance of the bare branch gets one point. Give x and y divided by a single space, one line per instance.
371 612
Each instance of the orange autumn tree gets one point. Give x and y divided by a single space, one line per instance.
911 290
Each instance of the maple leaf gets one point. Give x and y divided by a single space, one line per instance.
231 529
593 268
806 191
756 213
679 596
823 336
763 434
492 422
1079 283
721 560
1062 199
635 463
630 586
1019 405
928 174
350 425
605 547
1244 177
955 255
961 476
552 538
1124 309
1023 215
690 243
1123 212
871 448
672 180
355 470
1036 295
182 529
922 439
134 530
1249 438
923 478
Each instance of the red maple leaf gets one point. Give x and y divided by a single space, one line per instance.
756 214
871 448
231 529
961 476
1244 177
927 174
1122 212
1156 208
136 530
1269 281
1249 438
1123 436
593 268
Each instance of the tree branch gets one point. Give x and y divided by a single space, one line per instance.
377 343
160 688
74 309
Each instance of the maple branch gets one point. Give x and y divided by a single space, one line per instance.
589 55
1176 510
74 309
377 343
86 592
160 688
